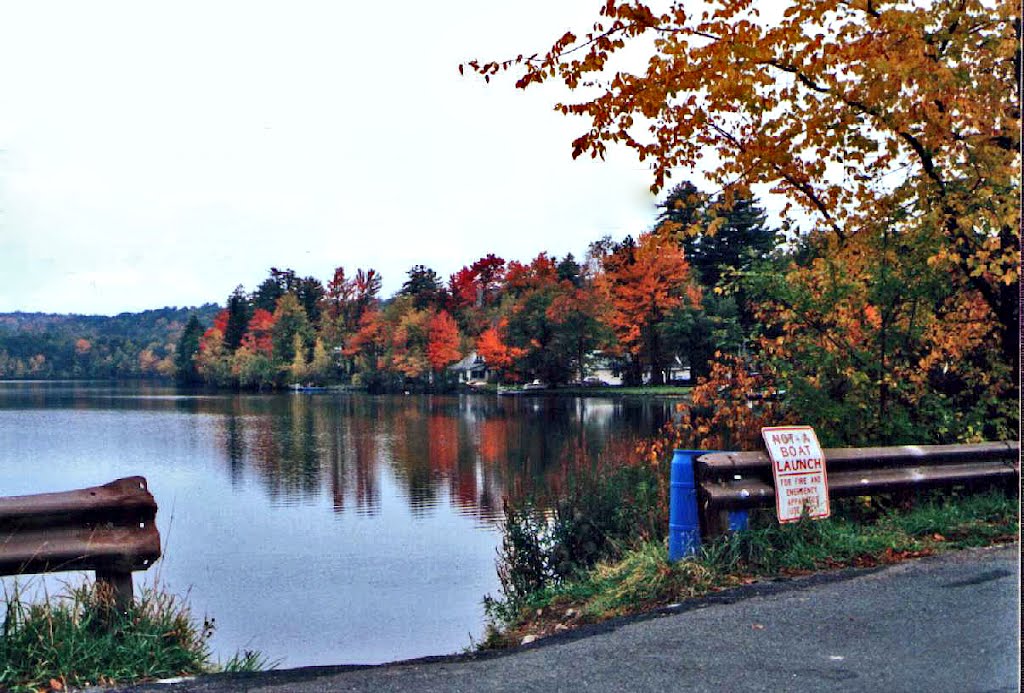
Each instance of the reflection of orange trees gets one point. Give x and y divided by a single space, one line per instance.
334 456
349 449
443 442
298 447
493 440
475 449
434 445
577 460
408 421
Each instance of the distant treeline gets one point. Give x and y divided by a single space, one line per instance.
128 345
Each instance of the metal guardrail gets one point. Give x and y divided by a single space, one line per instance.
721 484
110 529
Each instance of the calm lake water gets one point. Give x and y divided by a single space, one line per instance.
316 528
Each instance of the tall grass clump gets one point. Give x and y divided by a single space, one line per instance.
80 639
598 514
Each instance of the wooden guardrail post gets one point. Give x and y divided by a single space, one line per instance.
109 529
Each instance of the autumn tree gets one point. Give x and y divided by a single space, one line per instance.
474 290
408 329
462 289
298 368
532 332
258 336
211 360
530 291
490 273
369 348
580 317
645 280
339 317
290 321
493 348
253 369
884 124
346 301
444 340
320 365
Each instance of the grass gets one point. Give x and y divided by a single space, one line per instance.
77 639
643 579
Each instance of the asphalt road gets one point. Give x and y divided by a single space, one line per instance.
947 623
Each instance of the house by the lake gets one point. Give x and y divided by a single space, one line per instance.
472 369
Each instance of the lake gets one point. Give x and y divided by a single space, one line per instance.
327 528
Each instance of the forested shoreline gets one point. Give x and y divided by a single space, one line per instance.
641 308
862 348
124 346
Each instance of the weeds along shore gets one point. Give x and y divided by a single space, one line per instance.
573 565
77 639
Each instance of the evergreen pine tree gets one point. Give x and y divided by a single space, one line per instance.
188 346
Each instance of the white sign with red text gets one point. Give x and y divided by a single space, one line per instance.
798 465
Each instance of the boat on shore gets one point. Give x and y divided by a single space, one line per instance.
296 387
533 388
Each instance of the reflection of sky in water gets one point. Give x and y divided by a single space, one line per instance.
324 529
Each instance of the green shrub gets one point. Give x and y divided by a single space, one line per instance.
600 514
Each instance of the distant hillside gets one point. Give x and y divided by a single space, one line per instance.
129 345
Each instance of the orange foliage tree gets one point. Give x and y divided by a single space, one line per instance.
258 336
644 280
443 344
493 348
369 346
892 130
409 342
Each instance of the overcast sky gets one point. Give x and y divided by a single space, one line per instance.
161 154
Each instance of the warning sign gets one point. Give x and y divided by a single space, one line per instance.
798 465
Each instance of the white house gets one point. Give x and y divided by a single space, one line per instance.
471 369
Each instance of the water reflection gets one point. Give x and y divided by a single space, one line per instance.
469 450
324 529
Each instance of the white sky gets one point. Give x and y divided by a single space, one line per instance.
158 154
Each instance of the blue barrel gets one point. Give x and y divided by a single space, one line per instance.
683 516
683 524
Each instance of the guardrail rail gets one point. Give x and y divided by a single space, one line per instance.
110 529
721 484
